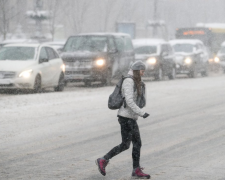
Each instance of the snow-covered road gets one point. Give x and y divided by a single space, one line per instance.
58 136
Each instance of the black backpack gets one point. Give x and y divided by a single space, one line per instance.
116 99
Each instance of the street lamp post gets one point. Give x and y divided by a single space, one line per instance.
38 15
157 24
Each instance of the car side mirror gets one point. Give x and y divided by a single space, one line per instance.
199 51
113 50
43 60
60 50
194 49
165 53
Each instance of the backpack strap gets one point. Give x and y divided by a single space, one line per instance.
123 78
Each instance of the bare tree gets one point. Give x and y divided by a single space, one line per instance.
54 8
111 12
75 15
108 10
9 16
4 17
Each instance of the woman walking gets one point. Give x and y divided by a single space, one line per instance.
133 90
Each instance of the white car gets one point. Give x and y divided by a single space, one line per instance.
158 56
191 57
219 60
57 45
31 66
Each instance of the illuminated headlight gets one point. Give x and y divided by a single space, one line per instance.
26 74
211 60
63 67
151 60
216 59
188 61
100 62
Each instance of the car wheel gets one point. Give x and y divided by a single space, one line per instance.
61 83
65 83
37 84
87 83
206 71
159 75
108 78
193 73
172 75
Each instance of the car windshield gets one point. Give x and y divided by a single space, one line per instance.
183 48
146 50
17 53
86 43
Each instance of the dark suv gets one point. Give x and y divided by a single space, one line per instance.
97 57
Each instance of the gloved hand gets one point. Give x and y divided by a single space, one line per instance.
146 115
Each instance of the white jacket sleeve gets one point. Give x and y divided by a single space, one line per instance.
128 89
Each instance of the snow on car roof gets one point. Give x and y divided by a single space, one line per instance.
141 42
14 41
102 34
55 43
212 25
23 45
27 45
185 41
7 41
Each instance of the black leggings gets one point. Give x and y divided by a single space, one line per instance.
129 132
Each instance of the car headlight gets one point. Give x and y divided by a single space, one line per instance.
63 67
151 60
26 74
188 61
211 60
216 59
100 62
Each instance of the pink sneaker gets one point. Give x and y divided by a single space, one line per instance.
138 174
101 163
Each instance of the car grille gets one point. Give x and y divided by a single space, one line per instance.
77 72
79 63
7 74
6 85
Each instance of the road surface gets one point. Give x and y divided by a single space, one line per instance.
58 136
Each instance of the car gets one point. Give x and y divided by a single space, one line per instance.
16 41
219 60
1 45
158 56
31 66
57 45
97 57
191 57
